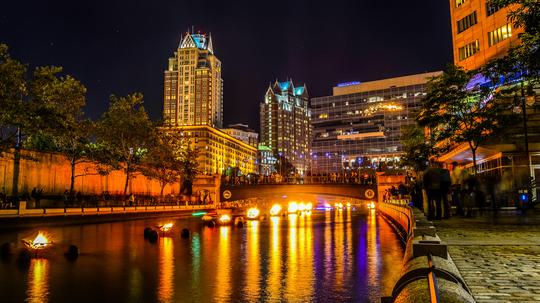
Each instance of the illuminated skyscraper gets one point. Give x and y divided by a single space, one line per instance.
193 86
193 106
285 123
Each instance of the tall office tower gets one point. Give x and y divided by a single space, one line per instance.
285 123
361 123
480 32
193 86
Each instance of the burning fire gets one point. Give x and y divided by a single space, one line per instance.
39 242
166 227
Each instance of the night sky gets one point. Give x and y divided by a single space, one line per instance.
118 47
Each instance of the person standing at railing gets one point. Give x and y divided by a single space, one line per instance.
445 189
432 186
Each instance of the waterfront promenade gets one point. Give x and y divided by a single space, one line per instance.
497 255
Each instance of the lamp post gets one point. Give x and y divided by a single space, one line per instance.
526 135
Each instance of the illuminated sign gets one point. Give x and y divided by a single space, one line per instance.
348 83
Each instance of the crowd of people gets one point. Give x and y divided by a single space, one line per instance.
439 188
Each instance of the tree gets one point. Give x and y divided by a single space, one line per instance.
458 111
57 104
189 167
13 90
417 148
165 158
124 134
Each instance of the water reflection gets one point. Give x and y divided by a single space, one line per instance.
373 249
223 268
274 272
328 256
166 270
253 270
38 281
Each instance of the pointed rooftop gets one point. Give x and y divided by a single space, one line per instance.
198 40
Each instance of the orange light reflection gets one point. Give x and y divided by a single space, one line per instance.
38 281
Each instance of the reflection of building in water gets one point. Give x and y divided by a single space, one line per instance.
373 250
274 272
253 272
223 268
166 270
38 281
361 122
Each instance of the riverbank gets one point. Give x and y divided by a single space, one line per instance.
23 218
498 255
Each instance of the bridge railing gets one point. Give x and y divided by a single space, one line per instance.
316 179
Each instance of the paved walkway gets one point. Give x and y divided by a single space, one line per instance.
498 256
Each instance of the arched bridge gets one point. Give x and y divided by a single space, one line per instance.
358 191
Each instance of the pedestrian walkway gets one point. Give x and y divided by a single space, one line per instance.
498 256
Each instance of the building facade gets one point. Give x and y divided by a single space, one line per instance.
244 133
193 93
480 32
193 103
219 151
285 123
504 157
267 161
360 124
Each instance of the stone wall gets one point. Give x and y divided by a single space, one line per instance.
52 172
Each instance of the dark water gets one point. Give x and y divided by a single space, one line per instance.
334 256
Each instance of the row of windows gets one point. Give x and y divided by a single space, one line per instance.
491 9
466 22
500 34
469 50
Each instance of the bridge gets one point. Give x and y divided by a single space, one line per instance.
243 192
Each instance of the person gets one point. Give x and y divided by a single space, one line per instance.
456 188
402 190
131 199
79 198
66 198
432 186
445 189
39 194
33 195
3 198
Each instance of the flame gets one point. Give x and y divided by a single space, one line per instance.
293 207
166 227
253 213
225 219
40 241
275 210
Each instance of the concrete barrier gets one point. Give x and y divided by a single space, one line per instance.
74 211
9 212
55 211
34 212
428 274
89 210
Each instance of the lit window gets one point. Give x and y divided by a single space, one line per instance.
502 33
468 50
466 22
460 2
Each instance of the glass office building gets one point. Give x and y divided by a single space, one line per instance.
360 124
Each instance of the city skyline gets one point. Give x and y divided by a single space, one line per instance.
320 46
